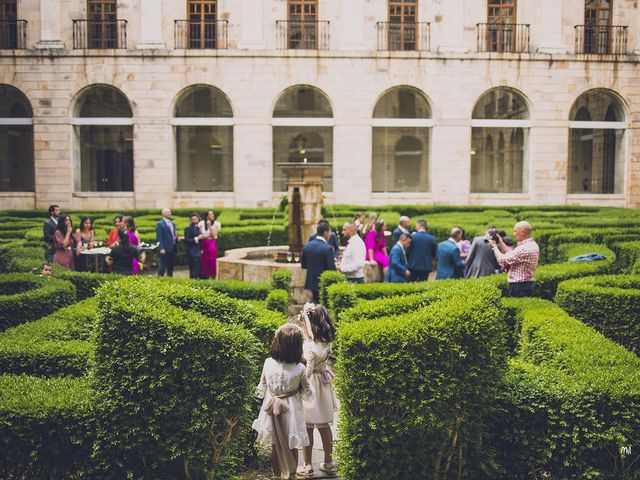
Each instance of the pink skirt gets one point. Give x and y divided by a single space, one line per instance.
208 257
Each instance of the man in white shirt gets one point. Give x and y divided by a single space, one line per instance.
353 257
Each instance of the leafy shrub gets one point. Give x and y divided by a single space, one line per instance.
52 346
242 237
173 387
628 254
281 279
570 401
46 427
328 278
278 300
414 388
86 283
18 256
37 297
610 304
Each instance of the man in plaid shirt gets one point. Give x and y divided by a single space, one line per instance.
521 261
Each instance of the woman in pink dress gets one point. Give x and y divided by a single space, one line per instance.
377 247
64 242
134 239
209 227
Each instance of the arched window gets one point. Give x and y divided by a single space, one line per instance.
500 117
302 132
401 129
103 125
16 141
203 129
596 133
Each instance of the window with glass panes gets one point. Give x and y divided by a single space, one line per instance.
202 23
102 26
303 23
403 15
501 17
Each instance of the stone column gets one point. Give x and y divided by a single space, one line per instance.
50 23
150 24
352 20
636 49
551 27
252 36
451 27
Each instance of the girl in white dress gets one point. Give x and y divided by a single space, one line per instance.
283 385
319 411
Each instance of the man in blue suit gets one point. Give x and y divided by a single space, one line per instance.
167 237
422 253
398 265
448 256
317 256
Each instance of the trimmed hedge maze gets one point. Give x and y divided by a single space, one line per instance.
153 378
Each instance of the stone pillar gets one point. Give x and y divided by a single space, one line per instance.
352 20
636 49
50 23
551 25
252 36
150 24
451 27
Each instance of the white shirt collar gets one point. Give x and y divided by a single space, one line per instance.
320 237
55 220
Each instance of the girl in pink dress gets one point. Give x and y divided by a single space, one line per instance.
377 248
132 233
64 242
209 227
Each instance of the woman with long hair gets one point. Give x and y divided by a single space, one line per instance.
84 237
377 247
209 227
370 224
64 242
134 241
122 255
113 235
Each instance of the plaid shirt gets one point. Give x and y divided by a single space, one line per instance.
522 261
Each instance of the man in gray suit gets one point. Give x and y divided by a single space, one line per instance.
481 261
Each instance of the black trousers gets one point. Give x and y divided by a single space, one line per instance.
521 289
194 266
419 275
166 263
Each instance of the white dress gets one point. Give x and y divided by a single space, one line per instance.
280 379
319 410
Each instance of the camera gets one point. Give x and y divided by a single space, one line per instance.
492 234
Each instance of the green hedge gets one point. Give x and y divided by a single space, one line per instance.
28 297
628 254
234 288
58 344
46 428
414 388
19 256
242 237
610 304
569 404
173 388
86 283
328 278
278 300
281 279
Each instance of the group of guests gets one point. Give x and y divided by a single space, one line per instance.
413 254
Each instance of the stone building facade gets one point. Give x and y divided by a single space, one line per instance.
149 103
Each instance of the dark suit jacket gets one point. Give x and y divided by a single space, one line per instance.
481 260
395 235
422 252
333 241
449 262
192 246
163 236
317 256
397 264
48 230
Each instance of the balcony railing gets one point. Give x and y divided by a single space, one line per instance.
403 36
297 35
13 34
99 34
503 37
601 39
200 34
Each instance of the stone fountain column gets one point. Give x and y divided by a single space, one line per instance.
304 192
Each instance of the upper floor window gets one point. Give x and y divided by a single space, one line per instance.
101 29
12 31
403 19
16 141
598 35
501 33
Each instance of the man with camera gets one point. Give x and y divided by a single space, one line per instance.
481 261
521 261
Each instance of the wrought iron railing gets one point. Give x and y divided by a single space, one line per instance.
99 34
292 34
13 34
602 39
503 37
403 36
200 34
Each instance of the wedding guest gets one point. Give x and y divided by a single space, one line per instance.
113 235
398 261
134 241
122 255
370 224
403 227
333 239
377 247
209 228
448 257
353 257
316 257
463 245
64 243
192 238
359 221
167 239
84 237
49 229
423 251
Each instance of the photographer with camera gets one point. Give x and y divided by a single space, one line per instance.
481 261
521 261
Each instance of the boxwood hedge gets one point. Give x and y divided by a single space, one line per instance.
415 387
609 303
172 387
25 297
